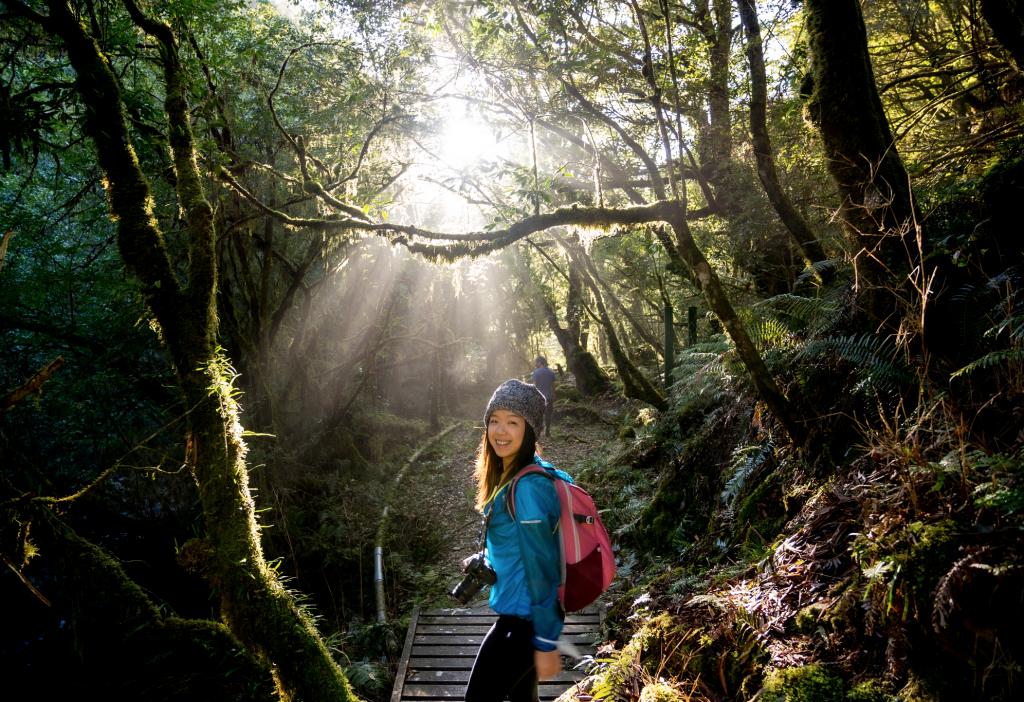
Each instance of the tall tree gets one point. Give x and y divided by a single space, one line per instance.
844 104
254 605
802 233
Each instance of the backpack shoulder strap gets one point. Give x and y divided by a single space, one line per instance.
510 496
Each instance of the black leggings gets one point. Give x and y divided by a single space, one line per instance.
504 664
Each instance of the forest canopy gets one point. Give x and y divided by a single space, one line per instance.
259 257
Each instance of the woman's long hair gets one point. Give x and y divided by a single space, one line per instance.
490 468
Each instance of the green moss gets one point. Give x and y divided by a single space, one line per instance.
919 690
690 416
565 391
811 683
932 552
660 692
581 412
627 433
806 620
763 510
868 691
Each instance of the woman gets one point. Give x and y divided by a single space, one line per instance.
521 647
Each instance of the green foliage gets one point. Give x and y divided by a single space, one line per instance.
1002 483
879 363
811 683
868 691
702 373
745 461
815 316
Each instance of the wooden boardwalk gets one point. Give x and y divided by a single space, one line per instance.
442 644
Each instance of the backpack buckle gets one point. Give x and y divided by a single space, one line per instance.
583 518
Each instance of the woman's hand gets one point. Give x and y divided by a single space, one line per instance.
548 663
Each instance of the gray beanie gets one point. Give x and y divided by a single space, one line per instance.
523 399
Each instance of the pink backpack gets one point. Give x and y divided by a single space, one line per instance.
588 564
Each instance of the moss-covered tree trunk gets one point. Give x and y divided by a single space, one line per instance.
590 377
255 607
802 234
877 208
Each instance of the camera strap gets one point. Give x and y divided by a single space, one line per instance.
482 542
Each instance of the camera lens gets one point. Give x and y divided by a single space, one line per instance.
466 590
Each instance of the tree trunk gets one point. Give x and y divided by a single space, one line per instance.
590 377
877 207
574 305
634 323
634 384
802 234
714 142
1006 20
718 302
255 606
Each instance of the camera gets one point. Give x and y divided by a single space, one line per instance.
478 574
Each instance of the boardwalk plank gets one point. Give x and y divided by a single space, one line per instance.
474 628
489 618
441 663
403 662
459 639
442 644
415 691
488 612
468 651
439 677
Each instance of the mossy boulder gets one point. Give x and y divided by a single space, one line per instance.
626 433
577 411
567 391
809 683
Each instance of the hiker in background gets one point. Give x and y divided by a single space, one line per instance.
521 647
544 379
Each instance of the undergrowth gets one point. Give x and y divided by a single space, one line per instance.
882 562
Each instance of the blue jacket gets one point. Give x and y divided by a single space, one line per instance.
525 556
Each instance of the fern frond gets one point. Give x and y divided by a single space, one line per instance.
993 358
829 267
769 333
745 461
879 363
818 315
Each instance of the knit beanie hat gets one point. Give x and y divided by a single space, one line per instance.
522 398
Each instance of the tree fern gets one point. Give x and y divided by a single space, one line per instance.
879 362
770 333
813 316
701 372
989 309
